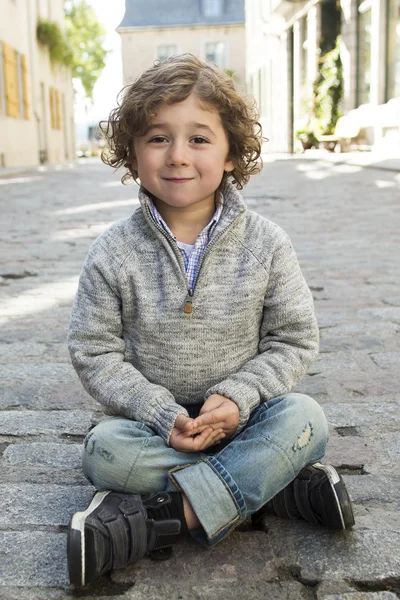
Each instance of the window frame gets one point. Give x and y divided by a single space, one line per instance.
390 52
11 85
21 94
207 4
363 9
25 86
215 43
167 46
3 105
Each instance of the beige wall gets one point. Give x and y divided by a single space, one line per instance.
139 47
348 51
17 136
257 61
267 78
379 122
256 46
22 139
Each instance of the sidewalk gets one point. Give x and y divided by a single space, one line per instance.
344 225
12 172
369 160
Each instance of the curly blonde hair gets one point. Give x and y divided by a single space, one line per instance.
172 81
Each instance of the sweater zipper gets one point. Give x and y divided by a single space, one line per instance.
188 308
189 298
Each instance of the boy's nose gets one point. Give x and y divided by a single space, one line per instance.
177 155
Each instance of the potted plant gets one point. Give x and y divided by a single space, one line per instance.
322 106
307 130
307 138
328 91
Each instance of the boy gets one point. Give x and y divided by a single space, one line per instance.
192 323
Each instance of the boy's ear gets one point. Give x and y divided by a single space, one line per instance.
229 166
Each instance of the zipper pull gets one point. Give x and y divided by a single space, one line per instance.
188 303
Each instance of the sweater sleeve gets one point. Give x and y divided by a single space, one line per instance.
289 338
97 349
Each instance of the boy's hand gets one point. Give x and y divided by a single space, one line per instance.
219 413
186 438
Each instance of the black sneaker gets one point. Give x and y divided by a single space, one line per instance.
318 495
119 529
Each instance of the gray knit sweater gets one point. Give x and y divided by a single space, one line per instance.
251 335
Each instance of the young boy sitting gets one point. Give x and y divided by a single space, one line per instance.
192 324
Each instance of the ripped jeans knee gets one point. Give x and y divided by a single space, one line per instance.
297 424
304 438
311 434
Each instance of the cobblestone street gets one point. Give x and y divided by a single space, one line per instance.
344 223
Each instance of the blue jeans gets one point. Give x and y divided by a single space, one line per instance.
228 482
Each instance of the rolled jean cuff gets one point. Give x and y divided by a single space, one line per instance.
214 496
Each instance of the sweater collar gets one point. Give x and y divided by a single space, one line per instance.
207 229
233 204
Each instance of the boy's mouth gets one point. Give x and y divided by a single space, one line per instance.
178 179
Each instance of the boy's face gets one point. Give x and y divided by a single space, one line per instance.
183 156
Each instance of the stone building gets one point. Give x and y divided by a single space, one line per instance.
213 30
36 97
284 40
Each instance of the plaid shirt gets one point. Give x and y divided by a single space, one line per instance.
192 262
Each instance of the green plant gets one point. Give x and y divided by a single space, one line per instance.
49 34
328 90
307 136
323 107
306 128
86 37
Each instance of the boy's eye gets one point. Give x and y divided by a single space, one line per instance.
158 139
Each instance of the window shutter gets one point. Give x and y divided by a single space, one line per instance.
25 85
51 96
55 108
58 109
11 80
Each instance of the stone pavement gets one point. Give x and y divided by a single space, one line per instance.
344 223
372 160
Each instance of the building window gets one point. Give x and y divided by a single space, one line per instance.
364 53
304 51
393 50
260 95
166 51
55 108
2 83
215 53
11 80
15 82
212 8
24 86
52 107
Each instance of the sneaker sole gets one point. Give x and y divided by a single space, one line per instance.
76 542
342 499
